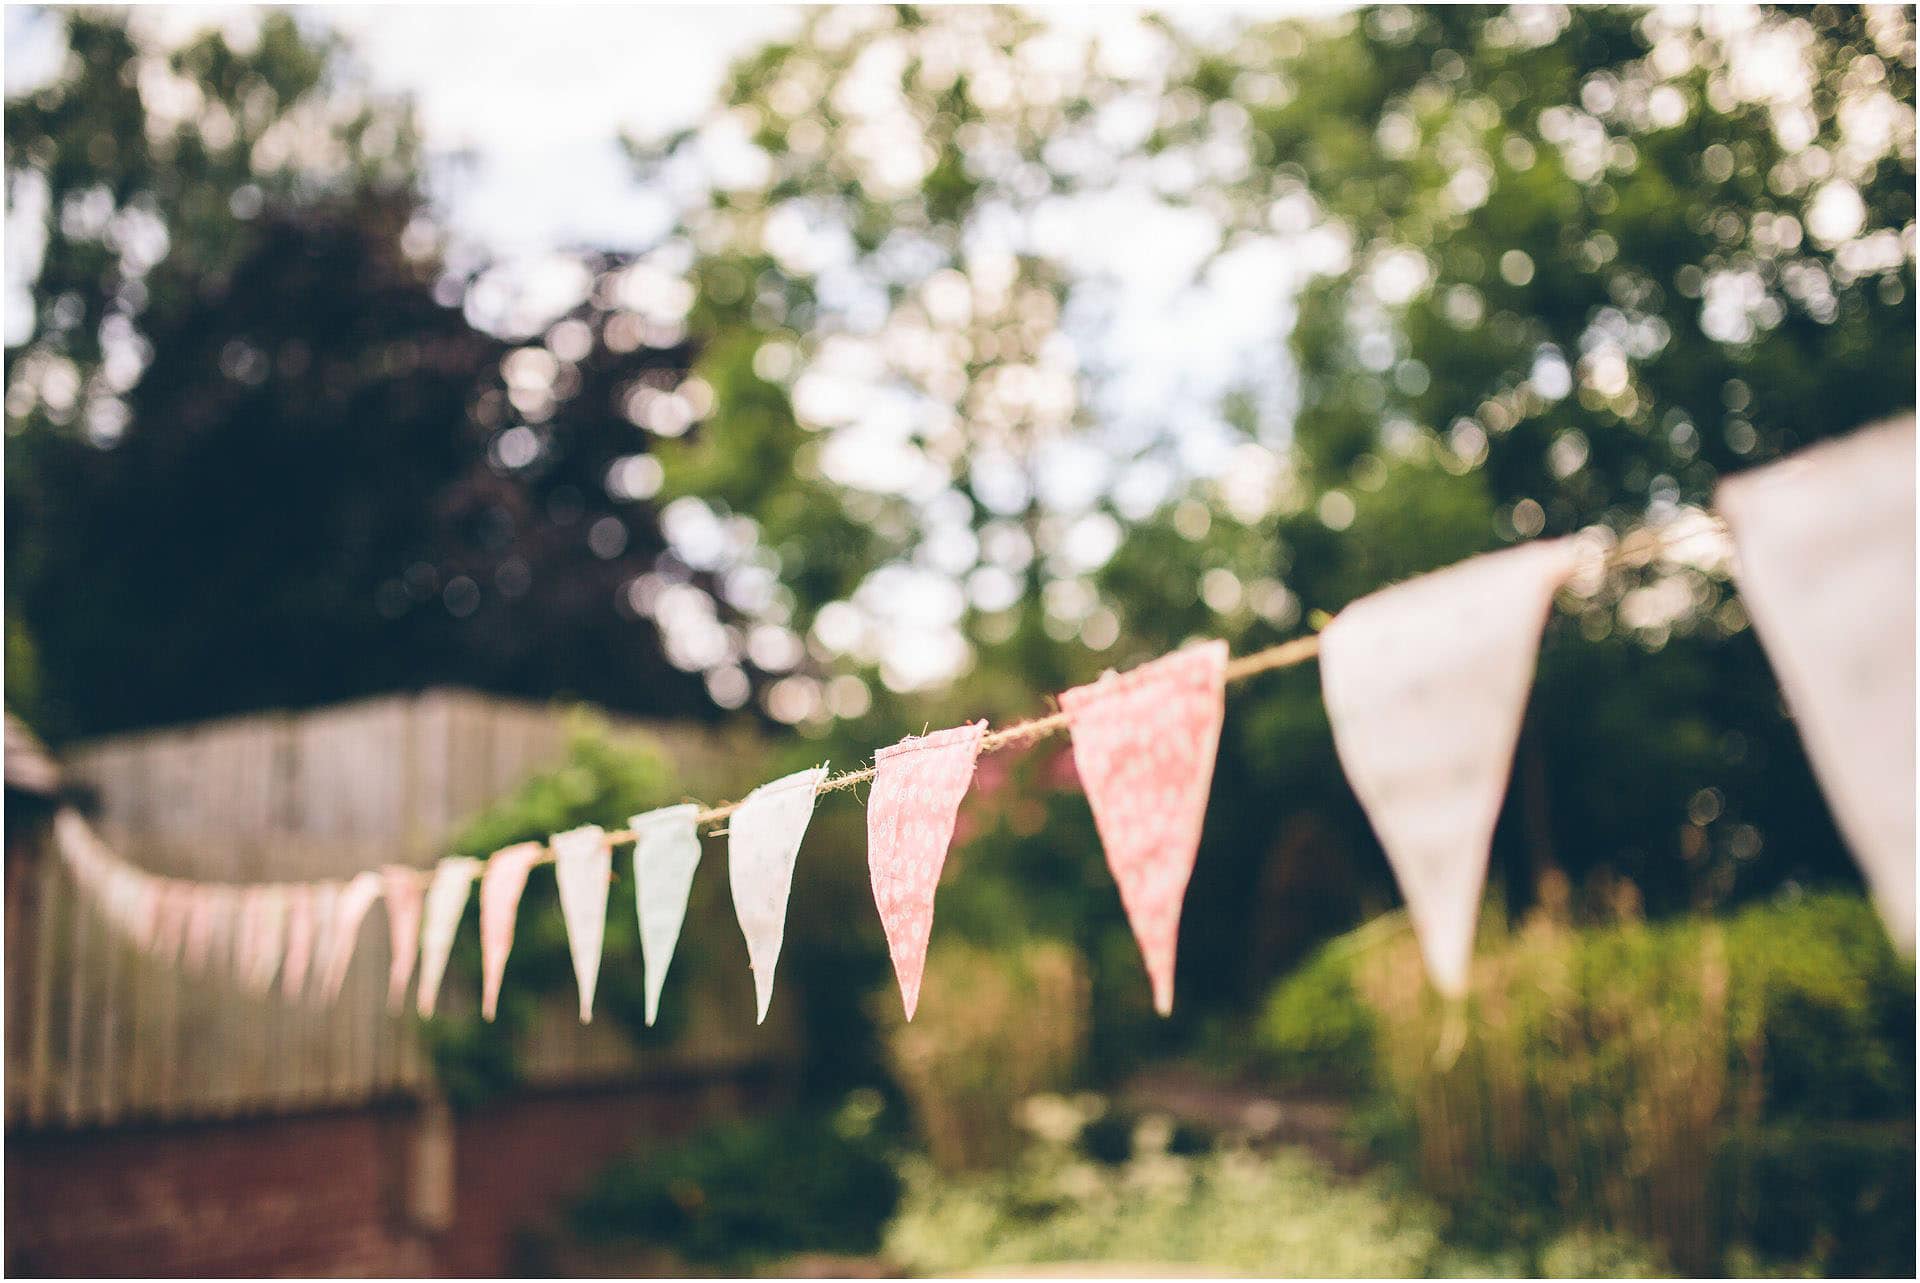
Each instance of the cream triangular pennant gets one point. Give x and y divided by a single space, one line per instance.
582 867
1425 684
343 929
763 841
500 889
666 850
1826 569
439 921
402 887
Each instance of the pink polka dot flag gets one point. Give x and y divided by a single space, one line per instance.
1144 743
918 785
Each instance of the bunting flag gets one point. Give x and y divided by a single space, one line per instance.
175 903
263 931
343 929
300 931
1144 743
209 908
1425 684
401 886
1826 569
666 850
918 785
440 921
326 904
582 867
763 841
500 887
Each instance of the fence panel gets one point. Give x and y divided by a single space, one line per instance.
98 1032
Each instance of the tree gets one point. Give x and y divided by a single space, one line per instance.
257 456
1536 269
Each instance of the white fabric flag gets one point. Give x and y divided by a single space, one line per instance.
323 901
343 930
446 900
402 886
582 868
1425 684
1825 543
666 850
763 841
265 935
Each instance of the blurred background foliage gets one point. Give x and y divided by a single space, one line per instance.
876 439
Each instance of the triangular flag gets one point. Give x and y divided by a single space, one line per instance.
300 933
918 785
1425 684
500 888
176 906
402 887
666 849
343 934
325 904
763 841
1144 743
1826 569
209 922
582 868
440 921
264 933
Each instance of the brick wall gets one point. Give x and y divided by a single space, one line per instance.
391 1190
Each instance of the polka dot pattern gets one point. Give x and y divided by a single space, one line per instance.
1144 744
918 785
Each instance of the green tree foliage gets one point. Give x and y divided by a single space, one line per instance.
1540 269
256 455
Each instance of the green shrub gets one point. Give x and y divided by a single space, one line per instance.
1694 1082
746 1191
994 1027
1315 1028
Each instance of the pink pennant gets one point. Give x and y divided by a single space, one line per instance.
403 888
500 888
343 931
918 785
1144 744
173 904
300 933
208 911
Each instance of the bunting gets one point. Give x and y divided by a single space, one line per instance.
666 850
446 901
583 866
402 887
343 934
918 785
1425 684
1826 569
763 841
299 935
1144 743
500 888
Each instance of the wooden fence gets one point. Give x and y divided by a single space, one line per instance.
99 1033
